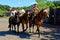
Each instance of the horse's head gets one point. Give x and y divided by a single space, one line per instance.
43 13
17 17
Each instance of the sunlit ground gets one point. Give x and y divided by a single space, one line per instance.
47 32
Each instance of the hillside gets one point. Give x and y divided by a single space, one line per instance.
45 4
3 8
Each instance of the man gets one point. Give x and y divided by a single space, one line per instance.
35 10
22 12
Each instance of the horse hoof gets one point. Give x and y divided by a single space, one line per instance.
14 31
38 36
17 32
23 31
29 31
32 31
9 29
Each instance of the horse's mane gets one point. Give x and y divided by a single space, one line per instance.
40 12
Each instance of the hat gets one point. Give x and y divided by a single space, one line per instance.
22 11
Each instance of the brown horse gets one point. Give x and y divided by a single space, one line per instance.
24 20
38 20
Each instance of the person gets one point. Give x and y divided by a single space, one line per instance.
22 12
35 9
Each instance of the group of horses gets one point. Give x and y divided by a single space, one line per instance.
27 18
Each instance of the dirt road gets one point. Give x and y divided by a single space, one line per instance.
46 32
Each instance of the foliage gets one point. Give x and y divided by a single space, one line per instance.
19 8
5 8
57 4
1 12
45 4
41 4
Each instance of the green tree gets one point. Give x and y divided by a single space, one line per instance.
19 8
50 4
4 8
41 4
45 4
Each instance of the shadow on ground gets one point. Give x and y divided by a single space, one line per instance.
54 34
50 26
20 34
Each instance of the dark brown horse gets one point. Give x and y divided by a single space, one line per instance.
24 20
38 20
13 21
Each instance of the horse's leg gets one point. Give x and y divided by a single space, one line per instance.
33 23
38 31
9 26
18 27
23 27
33 28
10 23
30 26
14 28
26 26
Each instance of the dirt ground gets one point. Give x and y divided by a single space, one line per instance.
47 32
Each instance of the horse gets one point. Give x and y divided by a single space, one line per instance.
24 20
13 21
38 20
